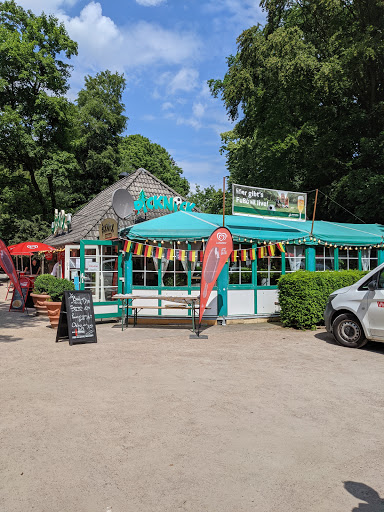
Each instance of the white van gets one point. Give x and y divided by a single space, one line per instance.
355 314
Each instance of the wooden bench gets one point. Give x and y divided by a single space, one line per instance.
136 309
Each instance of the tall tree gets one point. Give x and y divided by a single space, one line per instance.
138 151
101 122
210 200
34 114
307 92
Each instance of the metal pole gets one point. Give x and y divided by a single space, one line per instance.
223 201
314 210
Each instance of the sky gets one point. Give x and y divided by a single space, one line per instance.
167 50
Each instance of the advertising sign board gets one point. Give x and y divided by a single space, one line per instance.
268 203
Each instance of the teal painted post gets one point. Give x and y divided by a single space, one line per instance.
380 256
359 256
189 277
222 291
128 273
159 281
254 280
311 259
336 258
283 263
120 259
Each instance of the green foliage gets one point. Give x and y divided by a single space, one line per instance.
101 121
46 284
303 295
306 91
43 283
34 113
55 153
137 151
210 200
57 288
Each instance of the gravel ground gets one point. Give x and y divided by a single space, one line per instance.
256 418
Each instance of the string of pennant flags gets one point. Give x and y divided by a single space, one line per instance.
262 251
139 249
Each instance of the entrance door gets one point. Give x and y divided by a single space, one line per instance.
101 269
72 262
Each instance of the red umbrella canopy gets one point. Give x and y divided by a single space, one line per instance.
26 248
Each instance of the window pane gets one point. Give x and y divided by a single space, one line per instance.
151 278
138 278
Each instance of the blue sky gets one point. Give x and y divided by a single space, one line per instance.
167 49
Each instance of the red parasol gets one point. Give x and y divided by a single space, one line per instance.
27 248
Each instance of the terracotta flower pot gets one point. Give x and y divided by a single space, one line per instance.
53 309
39 301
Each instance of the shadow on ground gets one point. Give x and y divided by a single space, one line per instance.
371 498
372 346
8 339
16 319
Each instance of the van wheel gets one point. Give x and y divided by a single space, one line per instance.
348 331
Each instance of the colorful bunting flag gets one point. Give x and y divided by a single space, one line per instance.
148 251
158 253
170 254
262 252
180 255
194 256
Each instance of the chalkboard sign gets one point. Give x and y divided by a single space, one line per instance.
77 318
18 301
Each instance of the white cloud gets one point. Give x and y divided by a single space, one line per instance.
206 171
189 121
48 6
185 80
242 12
103 44
167 105
150 3
148 117
198 109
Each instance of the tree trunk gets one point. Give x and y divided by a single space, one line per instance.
52 192
39 194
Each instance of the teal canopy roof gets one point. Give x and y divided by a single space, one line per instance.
193 226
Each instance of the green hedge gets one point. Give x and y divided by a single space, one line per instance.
43 283
303 295
58 287
53 286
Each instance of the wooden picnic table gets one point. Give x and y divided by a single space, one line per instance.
180 302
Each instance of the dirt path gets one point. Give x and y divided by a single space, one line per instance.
256 418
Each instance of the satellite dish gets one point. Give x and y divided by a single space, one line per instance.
122 203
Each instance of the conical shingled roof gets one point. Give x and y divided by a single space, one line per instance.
85 223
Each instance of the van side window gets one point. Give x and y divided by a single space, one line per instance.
372 278
381 280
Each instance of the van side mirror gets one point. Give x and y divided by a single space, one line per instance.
372 286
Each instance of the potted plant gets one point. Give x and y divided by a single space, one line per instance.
40 292
56 291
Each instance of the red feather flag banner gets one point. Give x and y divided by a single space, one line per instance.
217 251
9 268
